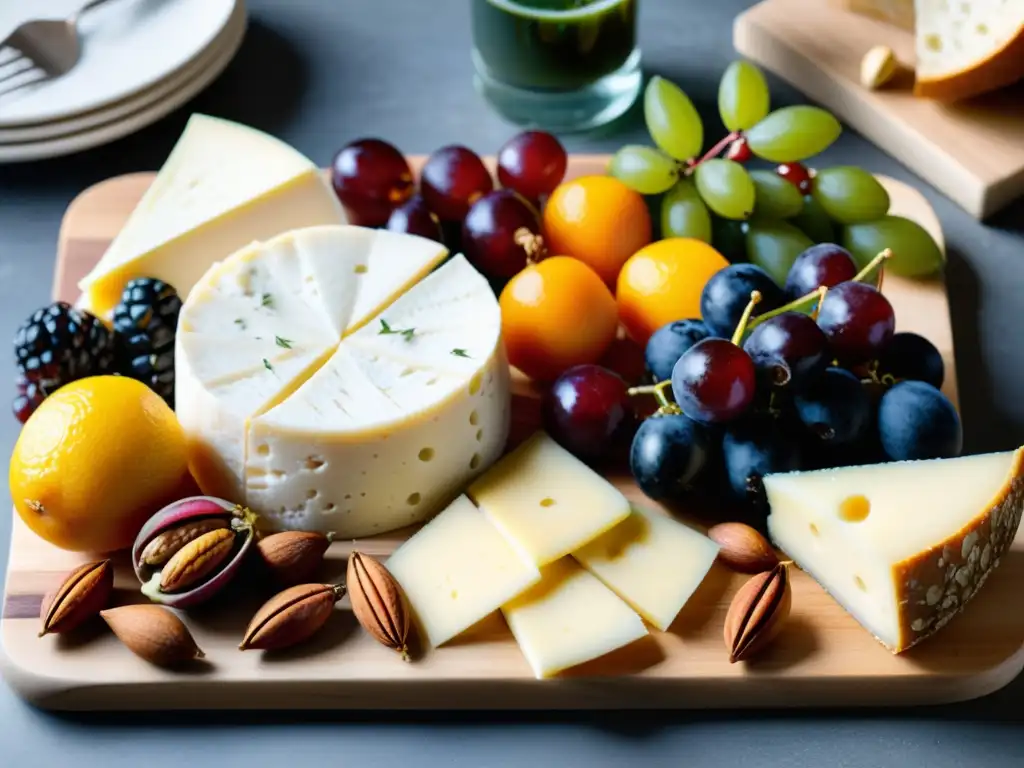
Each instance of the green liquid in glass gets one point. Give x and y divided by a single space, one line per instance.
553 45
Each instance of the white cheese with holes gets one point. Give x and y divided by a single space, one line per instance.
296 404
901 546
224 185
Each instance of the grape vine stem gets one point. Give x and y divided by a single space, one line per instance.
715 151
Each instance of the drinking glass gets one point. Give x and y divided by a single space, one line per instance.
557 65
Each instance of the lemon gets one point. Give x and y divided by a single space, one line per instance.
95 460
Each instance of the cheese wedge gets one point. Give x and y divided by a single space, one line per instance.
568 618
901 546
224 185
546 501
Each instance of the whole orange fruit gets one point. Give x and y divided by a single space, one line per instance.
94 461
663 282
554 315
598 220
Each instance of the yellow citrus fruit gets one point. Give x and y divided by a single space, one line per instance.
95 460
662 283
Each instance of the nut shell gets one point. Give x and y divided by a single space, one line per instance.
82 594
743 548
757 614
153 633
378 602
293 556
291 617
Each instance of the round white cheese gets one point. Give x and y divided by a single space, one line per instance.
328 382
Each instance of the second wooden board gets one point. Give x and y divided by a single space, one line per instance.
972 152
824 658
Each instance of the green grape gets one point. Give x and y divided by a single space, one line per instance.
850 195
774 246
792 134
774 197
672 120
726 187
729 237
814 222
644 169
914 252
743 96
683 213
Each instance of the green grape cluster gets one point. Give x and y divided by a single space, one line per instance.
749 195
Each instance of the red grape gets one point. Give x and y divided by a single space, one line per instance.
453 178
589 412
858 321
714 381
823 264
500 232
739 151
790 347
414 217
532 163
797 174
370 178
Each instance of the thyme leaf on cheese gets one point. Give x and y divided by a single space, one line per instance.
240 323
387 330
267 365
460 352
286 343
266 300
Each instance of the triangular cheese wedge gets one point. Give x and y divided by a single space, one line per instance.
223 186
901 546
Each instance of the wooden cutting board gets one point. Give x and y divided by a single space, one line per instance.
823 658
972 152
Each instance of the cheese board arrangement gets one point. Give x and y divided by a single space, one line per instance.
676 427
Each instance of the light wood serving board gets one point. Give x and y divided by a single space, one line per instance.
823 658
972 152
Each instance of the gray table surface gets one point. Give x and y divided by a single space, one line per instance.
319 73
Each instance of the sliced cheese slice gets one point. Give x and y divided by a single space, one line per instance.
901 546
546 501
223 186
568 618
651 561
456 570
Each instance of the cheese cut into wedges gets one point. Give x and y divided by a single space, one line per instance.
901 546
652 562
458 569
546 501
568 618
223 186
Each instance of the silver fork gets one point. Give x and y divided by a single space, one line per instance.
40 50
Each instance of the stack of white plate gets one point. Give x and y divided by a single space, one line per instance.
141 59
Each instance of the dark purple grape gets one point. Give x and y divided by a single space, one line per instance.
910 356
727 294
500 233
835 408
858 321
790 349
917 421
752 448
823 264
714 381
453 178
667 345
532 163
668 456
589 412
371 177
414 217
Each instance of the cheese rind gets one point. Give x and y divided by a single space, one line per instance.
546 501
568 618
901 546
651 561
223 186
456 570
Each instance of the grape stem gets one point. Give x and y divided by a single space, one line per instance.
875 262
666 406
741 326
715 151
532 245
818 293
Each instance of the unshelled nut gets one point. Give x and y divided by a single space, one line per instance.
82 594
291 617
153 633
378 602
742 548
878 66
757 613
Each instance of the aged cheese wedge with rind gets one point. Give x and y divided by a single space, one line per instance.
546 501
568 618
902 546
223 186
651 561
456 570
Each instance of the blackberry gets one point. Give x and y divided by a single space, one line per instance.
56 345
146 320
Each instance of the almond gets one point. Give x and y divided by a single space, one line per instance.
378 602
293 556
197 560
757 613
153 633
82 594
291 616
743 548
